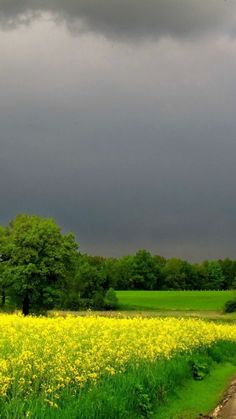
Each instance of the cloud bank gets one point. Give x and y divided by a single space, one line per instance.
128 18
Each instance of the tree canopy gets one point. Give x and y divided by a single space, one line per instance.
35 260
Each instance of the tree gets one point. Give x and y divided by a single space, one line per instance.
147 272
2 281
192 277
37 258
109 269
229 271
125 273
201 274
174 275
89 276
2 288
140 271
215 277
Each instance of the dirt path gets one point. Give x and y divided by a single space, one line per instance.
227 408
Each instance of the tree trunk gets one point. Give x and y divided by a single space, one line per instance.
3 298
25 305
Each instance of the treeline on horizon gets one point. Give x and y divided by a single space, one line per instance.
144 271
41 268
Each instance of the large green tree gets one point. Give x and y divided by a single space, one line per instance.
36 259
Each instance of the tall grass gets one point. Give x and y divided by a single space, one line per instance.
138 392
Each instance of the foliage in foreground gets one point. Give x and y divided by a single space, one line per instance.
64 363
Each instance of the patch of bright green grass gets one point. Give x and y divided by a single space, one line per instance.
198 397
174 300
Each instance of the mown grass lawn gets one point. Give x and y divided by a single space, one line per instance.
174 300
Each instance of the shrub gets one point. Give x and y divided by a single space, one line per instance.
200 367
98 301
230 306
111 300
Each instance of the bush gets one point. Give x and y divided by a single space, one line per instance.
72 302
98 301
230 306
111 300
200 367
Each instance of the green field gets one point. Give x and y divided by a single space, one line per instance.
174 300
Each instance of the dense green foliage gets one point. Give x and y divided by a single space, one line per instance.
40 268
144 271
36 259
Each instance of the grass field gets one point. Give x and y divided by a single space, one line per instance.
174 300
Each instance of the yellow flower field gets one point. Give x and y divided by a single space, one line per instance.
47 355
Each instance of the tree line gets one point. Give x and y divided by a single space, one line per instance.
41 268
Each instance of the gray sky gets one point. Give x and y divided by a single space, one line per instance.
117 118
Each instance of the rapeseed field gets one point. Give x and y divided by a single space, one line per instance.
50 357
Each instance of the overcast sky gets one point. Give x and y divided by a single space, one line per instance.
118 119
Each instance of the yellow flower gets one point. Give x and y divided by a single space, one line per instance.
49 355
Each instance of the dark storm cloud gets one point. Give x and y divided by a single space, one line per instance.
128 144
128 18
138 181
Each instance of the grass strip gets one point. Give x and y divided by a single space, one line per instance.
198 397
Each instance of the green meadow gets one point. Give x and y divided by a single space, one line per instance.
174 300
